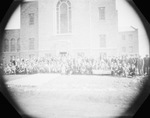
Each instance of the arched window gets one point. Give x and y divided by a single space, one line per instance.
6 45
31 43
18 44
63 17
12 45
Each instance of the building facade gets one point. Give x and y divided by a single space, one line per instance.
69 26
74 27
129 44
11 45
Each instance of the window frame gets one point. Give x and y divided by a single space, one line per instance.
69 17
131 49
31 18
102 13
12 45
6 45
18 44
130 37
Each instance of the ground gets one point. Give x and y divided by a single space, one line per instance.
73 96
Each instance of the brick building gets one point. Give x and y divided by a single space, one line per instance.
75 27
129 44
11 44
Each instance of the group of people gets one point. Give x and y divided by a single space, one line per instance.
132 66
117 66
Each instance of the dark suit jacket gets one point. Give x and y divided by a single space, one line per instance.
146 61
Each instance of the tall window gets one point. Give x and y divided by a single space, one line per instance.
63 17
130 49
31 18
18 44
102 13
6 45
31 44
12 45
130 37
102 41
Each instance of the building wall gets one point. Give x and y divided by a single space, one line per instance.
86 26
129 39
49 39
29 29
108 27
10 34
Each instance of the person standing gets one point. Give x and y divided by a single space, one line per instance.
135 63
140 64
146 65
131 60
149 65
132 70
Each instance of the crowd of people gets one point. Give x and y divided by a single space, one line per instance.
117 66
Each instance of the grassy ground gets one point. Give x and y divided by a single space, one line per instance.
73 96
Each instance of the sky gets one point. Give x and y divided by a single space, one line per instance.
126 17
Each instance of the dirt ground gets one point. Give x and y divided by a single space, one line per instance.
73 96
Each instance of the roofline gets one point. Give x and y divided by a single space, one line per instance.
134 28
11 29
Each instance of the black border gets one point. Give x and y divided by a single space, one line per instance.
141 7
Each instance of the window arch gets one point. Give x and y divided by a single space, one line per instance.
6 45
63 11
12 45
18 44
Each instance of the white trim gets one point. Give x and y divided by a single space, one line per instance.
68 18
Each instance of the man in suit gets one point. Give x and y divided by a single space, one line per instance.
140 64
131 60
146 65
